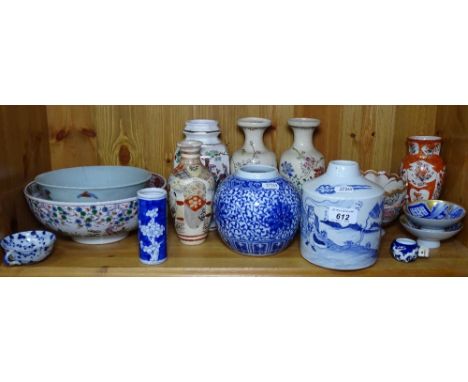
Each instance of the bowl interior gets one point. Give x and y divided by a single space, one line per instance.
33 191
95 177
435 210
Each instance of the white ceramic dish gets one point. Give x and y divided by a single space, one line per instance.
430 238
434 214
92 183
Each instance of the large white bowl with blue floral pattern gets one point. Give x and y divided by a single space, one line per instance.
86 222
92 183
257 211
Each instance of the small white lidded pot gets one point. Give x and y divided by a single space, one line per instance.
407 250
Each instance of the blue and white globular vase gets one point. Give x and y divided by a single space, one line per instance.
152 225
257 211
341 218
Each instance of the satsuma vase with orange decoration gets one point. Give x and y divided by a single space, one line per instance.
191 190
423 168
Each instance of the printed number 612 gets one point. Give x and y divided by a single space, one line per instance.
342 217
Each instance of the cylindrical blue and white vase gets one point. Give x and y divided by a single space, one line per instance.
341 218
152 225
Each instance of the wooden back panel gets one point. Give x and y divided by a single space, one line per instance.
24 153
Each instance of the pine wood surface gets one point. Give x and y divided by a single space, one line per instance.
24 153
146 136
452 126
214 258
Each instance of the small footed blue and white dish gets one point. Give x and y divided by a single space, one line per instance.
430 237
27 247
407 250
434 214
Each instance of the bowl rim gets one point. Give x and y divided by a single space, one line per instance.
427 229
147 178
392 176
407 212
78 204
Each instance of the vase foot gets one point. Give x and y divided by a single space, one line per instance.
194 240
431 244
100 239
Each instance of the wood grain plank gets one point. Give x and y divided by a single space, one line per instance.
366 133
72 136
452 126
24 153
214 258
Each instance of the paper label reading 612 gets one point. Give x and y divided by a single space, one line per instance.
344 216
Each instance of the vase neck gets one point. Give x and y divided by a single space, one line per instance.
257 172
343 169
190 160
253 139
190 152
424 145
206 138
303 138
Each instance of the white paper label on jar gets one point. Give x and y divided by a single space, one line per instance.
344 216
270 186
344 189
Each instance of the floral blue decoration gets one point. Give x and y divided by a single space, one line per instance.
152 232
257 218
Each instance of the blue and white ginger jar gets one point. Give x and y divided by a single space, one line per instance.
257 211
341 218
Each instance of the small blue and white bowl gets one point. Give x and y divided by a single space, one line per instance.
27 247
407 250
434 214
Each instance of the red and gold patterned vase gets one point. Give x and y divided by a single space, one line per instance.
191 192
423 168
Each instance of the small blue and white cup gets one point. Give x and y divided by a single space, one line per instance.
407 250
27 247
152 225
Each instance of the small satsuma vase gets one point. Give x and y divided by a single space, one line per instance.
254 150
302 162
191 190
213 154
257 211
423 168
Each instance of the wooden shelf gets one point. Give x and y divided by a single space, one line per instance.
214 258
